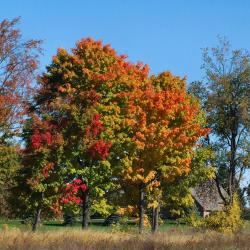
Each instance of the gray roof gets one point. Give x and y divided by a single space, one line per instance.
207 196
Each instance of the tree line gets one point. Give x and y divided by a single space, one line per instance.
98 133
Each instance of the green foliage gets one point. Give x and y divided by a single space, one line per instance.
101 207
39 180
9 165
177 197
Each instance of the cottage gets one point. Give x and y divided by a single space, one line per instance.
207 197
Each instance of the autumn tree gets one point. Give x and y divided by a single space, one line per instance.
118 125
226 98
18 64
163 124
79 91
39 181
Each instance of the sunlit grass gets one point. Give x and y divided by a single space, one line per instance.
76 239
51 235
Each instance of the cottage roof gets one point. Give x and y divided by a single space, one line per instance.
207 196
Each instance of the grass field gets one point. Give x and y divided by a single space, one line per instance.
75 239
53 236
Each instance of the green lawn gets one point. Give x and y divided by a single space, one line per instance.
96 224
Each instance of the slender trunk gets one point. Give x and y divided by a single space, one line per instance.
219 190
155 224
232 168
85 210
36 220
141 208
233 149
153 219
241 174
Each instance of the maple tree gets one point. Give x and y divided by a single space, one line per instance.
163 127
39 180
118 126
75 91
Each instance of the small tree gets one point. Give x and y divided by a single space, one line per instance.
39 180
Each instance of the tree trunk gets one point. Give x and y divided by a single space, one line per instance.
155 219
141 208
232 167
36 220
219 190
85 210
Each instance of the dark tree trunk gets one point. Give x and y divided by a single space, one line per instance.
141 208
232 167
36 220
85 210
37 217
155 219
219 190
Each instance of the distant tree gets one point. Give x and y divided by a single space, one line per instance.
226 100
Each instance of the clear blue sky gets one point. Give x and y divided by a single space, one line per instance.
168 35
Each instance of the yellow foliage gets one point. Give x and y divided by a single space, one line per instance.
129 210
146 220
228 221
153 204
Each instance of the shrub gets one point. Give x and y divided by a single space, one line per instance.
227 221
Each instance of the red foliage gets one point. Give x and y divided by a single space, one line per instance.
18 62
38 138
95 127
44 133
72 192
100 149
47 137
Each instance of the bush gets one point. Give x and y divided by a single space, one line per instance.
228 221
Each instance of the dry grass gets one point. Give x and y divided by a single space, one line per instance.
76 239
